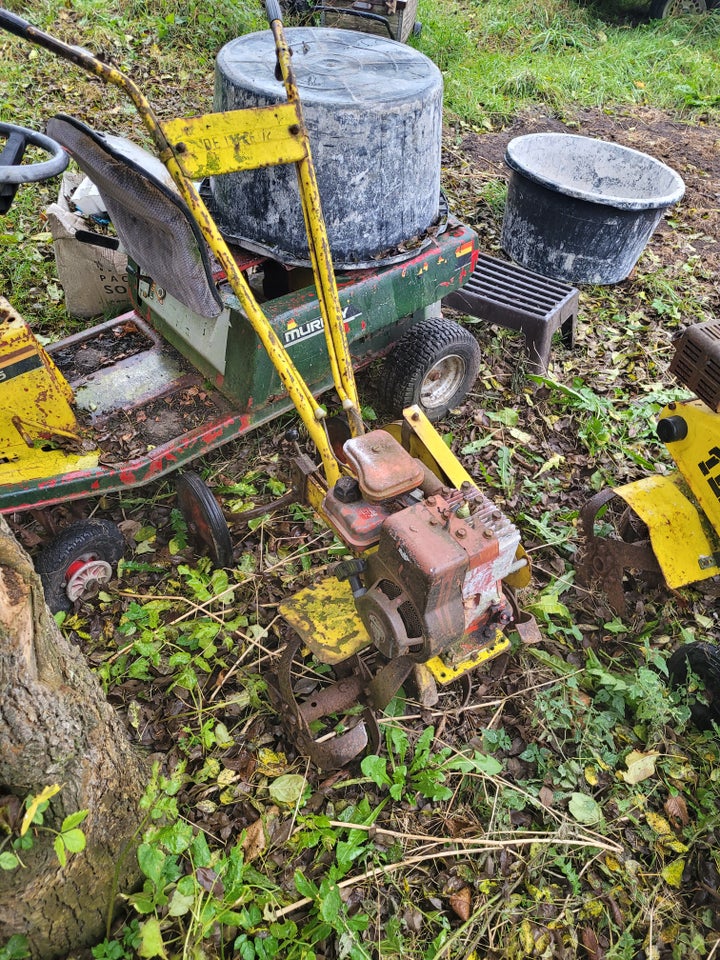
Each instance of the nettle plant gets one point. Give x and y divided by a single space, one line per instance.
421 770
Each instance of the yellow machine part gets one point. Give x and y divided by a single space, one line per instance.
36 418
326 619
236 140
324 615
698 454
683 542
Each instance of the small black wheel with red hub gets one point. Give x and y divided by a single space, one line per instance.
205 521
79 560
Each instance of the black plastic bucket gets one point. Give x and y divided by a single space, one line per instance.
581 209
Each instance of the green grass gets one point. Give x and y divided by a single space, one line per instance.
499 58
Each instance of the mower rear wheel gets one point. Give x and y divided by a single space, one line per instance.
81 557
702 660
204 518
434 366
661 9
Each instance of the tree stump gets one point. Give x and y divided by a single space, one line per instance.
56 726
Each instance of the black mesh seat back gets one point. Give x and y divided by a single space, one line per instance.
151 218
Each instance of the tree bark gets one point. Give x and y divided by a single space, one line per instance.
57 727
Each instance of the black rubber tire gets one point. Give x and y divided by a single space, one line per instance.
660 9
102 538
419 356
204 518
702 659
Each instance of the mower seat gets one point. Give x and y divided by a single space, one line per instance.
151 218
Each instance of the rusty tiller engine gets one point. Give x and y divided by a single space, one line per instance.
427 600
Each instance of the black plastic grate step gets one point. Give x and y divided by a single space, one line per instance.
511 296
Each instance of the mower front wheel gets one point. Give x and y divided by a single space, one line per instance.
434 366
204 518
80 558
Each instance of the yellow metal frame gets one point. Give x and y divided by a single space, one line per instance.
37 423
682 510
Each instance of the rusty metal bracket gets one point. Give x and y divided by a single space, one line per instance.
604 561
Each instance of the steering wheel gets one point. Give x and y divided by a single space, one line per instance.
13 172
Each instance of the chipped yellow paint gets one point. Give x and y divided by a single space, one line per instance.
36 416
219 143
446 672
685 549
326 619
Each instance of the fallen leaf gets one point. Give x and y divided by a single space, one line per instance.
640 766
287 789
676 810
461 903
253 842
584 809
151 941
270 763
658 823
665 836
591 944
672 874
547 796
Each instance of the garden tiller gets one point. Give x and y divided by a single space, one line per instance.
668 525
427 591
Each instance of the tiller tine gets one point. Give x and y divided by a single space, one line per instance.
334 700
604 560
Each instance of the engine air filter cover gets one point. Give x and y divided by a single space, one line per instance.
373 109
696 362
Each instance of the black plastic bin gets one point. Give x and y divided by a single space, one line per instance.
581 209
